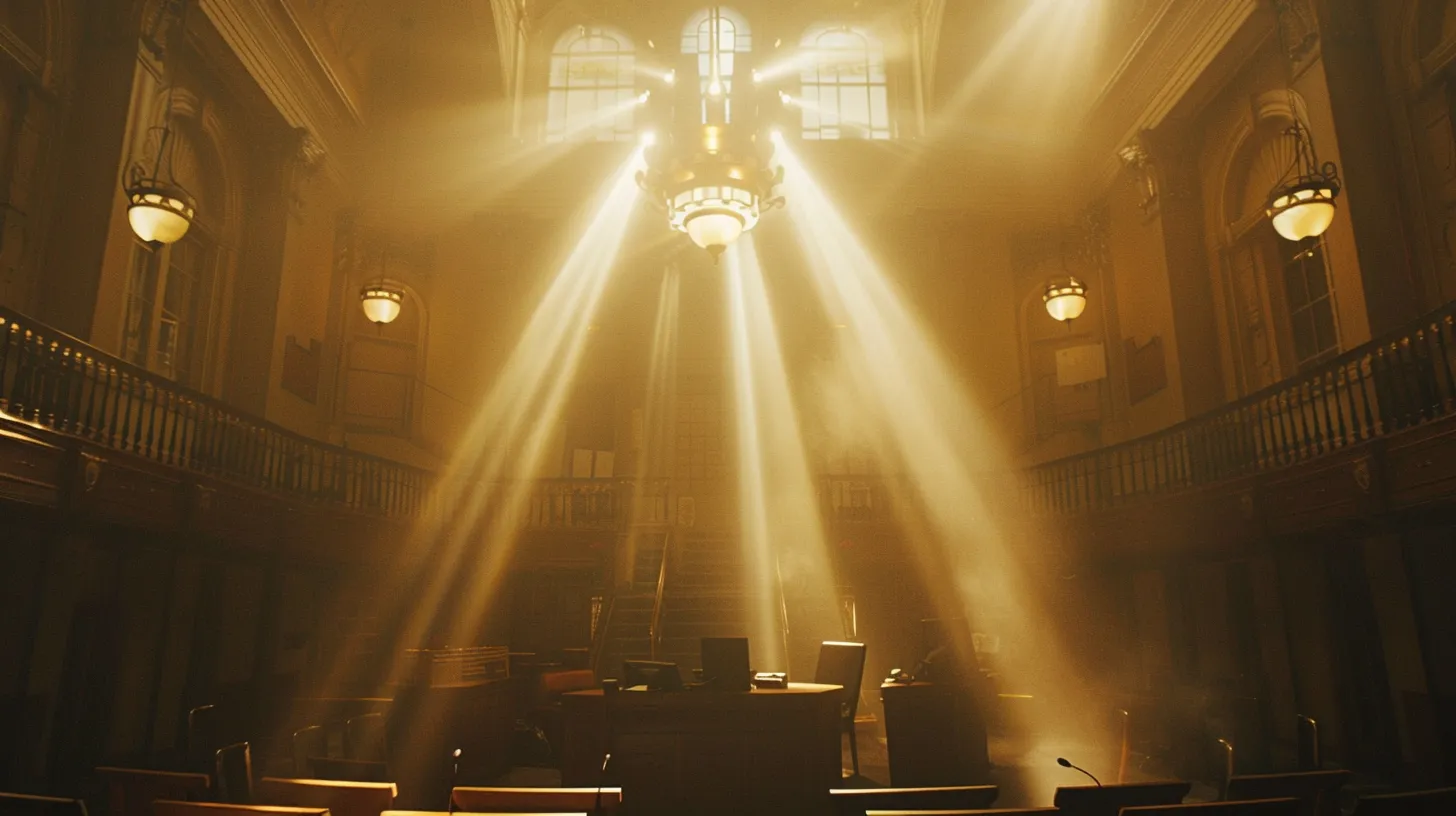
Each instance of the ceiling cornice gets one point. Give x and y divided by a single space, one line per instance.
1180 41
281 57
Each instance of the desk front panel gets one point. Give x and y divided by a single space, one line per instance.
705 752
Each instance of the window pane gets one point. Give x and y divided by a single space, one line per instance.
847 77
1305 343
1324 324
585 61
1294 288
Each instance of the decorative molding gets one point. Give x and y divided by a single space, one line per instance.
268 39
1182 39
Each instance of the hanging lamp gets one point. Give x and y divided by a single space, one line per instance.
159 209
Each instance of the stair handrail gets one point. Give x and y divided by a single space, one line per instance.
783 607
654 631
603 627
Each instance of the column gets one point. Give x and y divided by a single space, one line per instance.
87 184
1180 206
1356 82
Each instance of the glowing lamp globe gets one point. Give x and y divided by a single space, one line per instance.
159 213
381 303
1303 210
714 230
1065 299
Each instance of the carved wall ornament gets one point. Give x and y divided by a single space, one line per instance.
1298 32
1139 164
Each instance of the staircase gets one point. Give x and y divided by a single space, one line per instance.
706 596
628 629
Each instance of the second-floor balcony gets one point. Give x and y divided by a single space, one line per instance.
1360 404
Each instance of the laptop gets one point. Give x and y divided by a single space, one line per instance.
725 664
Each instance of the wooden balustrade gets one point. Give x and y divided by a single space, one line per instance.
1399 381
54 381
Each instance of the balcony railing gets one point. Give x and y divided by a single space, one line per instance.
596 504
58 382
1398 381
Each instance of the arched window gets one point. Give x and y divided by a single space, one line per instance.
844 85
592 88
734 38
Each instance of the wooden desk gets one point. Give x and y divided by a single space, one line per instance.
704 752
935 734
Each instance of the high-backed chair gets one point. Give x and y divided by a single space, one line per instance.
1413 803
309 741
1109 800
235 774
341 798
1286 806
364 737
536 800
842 664
131 791
1317 791
204 738
21 804
859 801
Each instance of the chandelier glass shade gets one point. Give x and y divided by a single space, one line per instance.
382 302
1065 298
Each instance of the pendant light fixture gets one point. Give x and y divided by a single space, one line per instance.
159 209
1065 298
713 179
1302 204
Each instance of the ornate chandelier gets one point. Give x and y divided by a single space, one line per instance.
712 176
713 185
1302 204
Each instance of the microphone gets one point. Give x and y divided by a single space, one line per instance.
454 777
1062 761
601 781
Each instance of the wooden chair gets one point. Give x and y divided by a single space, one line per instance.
166 808
1318 791
1109 800
131 791
860 801
341 798
235 774
364 738
1287 806
348 770
1413 803
536 800
1307 739
204 738
308 742
21 804
842 664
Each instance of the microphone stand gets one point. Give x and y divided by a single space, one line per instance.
454 777
609 693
